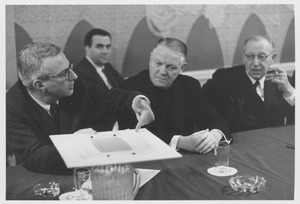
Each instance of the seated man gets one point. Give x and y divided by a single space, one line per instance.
253 95
176 101
96 69
50 99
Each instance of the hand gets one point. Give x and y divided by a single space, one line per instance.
202 141
209 142
143 112
279 76
86 131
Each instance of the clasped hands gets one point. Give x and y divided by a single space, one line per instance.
203 141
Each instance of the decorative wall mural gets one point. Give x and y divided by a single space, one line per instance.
253 25
138 51
204 49
214 33
22 38
74 49
161 19
288 49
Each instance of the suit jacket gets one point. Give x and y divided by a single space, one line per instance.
179 110
229 91
28 125
87 72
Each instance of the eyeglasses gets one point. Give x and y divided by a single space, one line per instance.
65 73
260 57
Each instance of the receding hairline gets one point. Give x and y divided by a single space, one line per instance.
257 38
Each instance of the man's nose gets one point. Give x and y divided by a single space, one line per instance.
256 60
72 75
105 49
163 69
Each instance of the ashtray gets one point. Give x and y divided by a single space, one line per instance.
246 183
46 190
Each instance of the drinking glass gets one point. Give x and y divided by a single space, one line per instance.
82 183
222 156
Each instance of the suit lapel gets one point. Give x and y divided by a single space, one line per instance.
112 79
269 91
243 86
65 118
39 115
93 73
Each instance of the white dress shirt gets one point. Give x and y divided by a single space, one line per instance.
42 104
100 72
260 91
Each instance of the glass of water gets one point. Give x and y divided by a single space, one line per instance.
82 183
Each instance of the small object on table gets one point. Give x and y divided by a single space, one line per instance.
222 171
46 190
246 183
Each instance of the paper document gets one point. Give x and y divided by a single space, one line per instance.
111 147
147 175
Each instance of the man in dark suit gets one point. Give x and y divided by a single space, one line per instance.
176 101
50 99
95 66
253 95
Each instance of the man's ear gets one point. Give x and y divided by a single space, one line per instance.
38 85
274 55
183 67
87 48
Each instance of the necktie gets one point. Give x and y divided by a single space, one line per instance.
54 114
53 110
256 84
259 90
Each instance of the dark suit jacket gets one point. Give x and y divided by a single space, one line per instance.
179 110
85 70
227 92
28 125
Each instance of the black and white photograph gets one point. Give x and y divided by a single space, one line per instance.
176 102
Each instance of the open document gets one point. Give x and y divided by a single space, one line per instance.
111 147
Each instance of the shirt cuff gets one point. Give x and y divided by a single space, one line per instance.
143 98
291 98
174 141
223 136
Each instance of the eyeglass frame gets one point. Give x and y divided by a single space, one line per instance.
259 57
66 73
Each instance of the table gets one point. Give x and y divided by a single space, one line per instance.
265 152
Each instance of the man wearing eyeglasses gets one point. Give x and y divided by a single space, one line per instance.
183 117
50 99
253 95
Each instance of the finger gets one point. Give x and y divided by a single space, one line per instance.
145 118
202 143
208 146
138 126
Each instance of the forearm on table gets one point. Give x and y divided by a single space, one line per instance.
44 159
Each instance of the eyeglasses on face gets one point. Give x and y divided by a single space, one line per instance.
260 57
65 73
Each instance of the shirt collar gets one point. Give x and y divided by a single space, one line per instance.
261 81
96 66
41 103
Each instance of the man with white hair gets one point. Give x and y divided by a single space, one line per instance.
183 117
